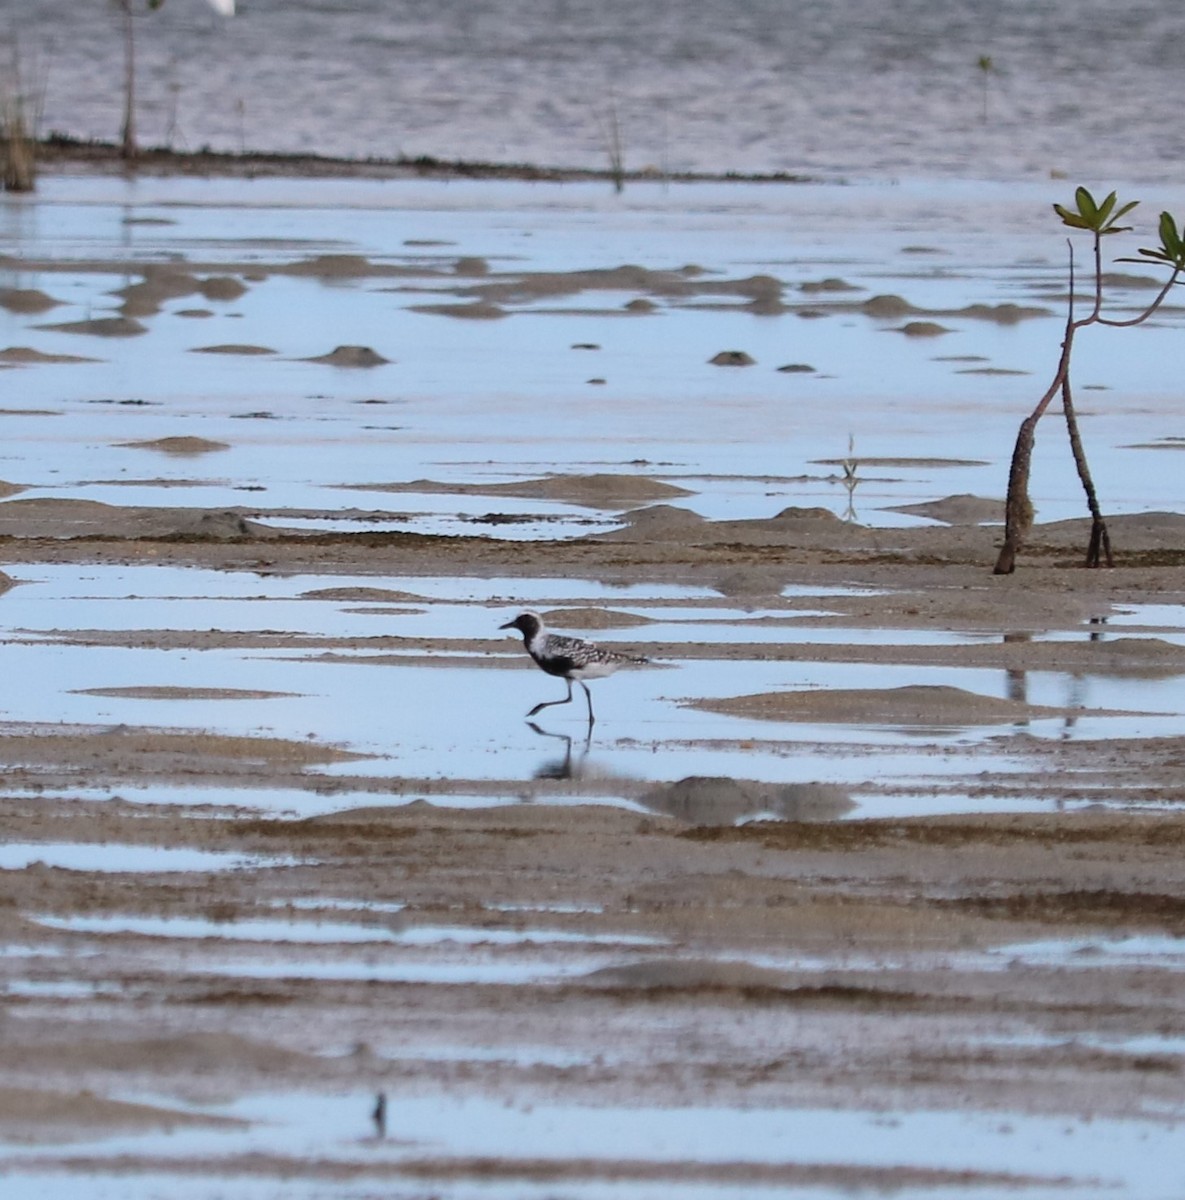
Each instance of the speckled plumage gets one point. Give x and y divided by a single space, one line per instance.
568 658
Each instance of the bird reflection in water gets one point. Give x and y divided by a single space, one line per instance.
571 765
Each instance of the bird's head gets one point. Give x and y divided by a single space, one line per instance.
527 623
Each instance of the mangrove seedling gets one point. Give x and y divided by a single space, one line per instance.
1100 220
128 147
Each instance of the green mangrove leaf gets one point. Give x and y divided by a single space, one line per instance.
1170 238
1070 218
1088 209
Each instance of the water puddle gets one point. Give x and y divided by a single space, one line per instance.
336 933
317 903
1078 1157
110 856
462 972
363 640
1149 616
1133 1044
1159 951
455 396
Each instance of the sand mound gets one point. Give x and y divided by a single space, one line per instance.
26 300
1141 657
662 520
232 348
129 752
795 514
202 1052
912 705
595 491
215 526
956 510
1133 531
592 618
179 446
365 595
887 306
482 310
715 800
1003 314
164 692
333 266
113 327
608 491
350 356
222 287
145 298
25 355
35 1115
919 329
45 517
662 523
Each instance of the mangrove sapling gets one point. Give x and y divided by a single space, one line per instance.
128 145
614 147
1100 220
20 114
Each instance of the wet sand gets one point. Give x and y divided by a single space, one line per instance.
870 880
547 955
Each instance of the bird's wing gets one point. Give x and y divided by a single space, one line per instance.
574 648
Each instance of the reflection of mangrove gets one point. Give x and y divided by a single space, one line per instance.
571 766
1016 678
851 480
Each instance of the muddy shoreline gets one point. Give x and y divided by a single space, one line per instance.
60 154
667 958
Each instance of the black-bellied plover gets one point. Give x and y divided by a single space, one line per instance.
568 658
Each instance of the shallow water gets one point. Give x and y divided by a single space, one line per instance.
646 729
491 401
336 933
854 88
510 399
106 856
1087 1158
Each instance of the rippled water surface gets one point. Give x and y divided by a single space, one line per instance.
830 87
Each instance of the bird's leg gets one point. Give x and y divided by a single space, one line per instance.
588 696
548 703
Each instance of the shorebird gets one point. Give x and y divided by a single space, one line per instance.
568 658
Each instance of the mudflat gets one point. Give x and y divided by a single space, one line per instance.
869 879
579 940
